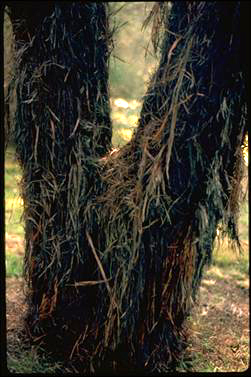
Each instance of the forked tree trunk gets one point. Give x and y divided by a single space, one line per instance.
115 246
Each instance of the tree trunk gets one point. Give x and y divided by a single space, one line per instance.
62 128
115 246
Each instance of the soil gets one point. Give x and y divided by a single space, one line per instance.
220 331
15 244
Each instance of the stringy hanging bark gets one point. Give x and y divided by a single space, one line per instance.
62 128
168 189
116 243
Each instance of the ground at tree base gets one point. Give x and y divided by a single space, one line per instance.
218 326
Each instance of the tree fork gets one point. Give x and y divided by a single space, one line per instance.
139 225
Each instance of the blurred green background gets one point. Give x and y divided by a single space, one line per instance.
132 58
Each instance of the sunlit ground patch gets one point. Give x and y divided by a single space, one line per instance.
13 202
133 119
125 116
120 102
126 133
245 150
119 117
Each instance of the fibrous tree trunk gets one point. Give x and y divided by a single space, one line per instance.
116 244
62 128
170 187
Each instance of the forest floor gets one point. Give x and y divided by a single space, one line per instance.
219 325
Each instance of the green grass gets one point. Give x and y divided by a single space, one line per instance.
13 223
30 362
13 202
187 363
234 261
243 221
13 212
14 265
